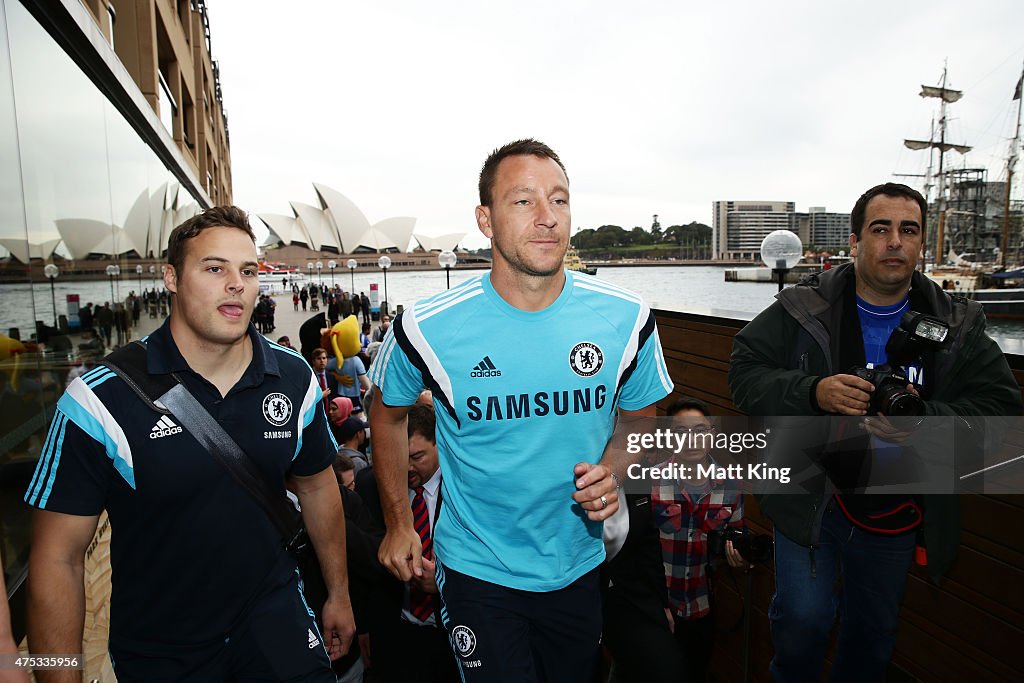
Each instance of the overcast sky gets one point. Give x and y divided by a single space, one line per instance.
654 107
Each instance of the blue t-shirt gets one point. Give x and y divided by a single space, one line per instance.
876 324
352 367
521 397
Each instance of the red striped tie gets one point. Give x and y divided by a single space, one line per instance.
322 376
421 604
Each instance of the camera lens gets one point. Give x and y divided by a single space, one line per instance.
897 402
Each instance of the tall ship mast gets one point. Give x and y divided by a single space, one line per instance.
946 96
1011 163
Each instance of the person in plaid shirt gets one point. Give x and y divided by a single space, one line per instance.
685 511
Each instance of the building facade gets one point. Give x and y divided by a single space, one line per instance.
165 47
739 226
826 229
112 131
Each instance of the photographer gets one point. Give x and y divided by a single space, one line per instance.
793 360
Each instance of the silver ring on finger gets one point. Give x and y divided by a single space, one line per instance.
604 502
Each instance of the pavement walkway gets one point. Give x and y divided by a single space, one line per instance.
286 320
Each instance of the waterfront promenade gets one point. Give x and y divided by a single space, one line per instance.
286 320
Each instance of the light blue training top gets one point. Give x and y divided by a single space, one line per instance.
521 397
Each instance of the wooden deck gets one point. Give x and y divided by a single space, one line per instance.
969 629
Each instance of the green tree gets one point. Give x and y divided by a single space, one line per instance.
640 236
611 236
585 239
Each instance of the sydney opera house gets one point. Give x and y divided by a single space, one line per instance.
338 226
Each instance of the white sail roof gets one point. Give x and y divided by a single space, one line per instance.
448 241
283 229
23 250
338 224
316 225
136 223
350 222
84 236
397 231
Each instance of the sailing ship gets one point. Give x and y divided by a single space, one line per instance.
967 259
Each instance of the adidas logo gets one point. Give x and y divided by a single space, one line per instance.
313 640
163 427
485 368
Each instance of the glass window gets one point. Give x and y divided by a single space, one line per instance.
113 19
79 190
168 107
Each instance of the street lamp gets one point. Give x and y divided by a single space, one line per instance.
384 262
52 272
319 278
780 251
113 272
332 264
152 276
447 260
352 263
138 271
309 267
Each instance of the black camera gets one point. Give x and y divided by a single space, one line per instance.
890 396
753 547
915 334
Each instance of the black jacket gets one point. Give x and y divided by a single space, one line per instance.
780 356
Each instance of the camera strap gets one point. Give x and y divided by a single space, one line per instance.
167 394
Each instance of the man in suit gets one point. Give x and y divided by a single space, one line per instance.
328 382
407 640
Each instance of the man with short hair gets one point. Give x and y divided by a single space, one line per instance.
351 435
345 470
203 586
327 381
793 359
407 638
385 323
521 434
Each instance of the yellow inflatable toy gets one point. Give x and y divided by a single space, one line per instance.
10 356
344 340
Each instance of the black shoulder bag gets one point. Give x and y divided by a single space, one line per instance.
166 394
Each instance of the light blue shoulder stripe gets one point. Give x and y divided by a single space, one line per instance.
93 426
377 367
99 379
58 448
95 372
310 403
277 346
45 457
426 305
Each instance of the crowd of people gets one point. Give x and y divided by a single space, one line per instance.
462 491
339 303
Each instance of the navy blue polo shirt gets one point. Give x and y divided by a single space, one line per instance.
190 550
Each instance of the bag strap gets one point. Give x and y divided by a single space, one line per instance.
167 394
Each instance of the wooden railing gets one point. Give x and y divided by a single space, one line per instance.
967 629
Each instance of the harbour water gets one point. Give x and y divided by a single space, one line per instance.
691 289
